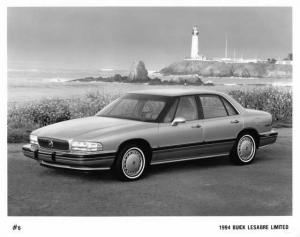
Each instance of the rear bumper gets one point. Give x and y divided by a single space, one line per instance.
267 138
82 162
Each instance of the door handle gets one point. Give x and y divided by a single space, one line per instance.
235 121
196 126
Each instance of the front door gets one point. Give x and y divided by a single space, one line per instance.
180 140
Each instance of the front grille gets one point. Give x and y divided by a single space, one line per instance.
53 143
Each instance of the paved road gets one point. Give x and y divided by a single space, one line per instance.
203 187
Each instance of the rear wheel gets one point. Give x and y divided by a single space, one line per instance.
244 150
130 163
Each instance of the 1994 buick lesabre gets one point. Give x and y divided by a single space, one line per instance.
153 127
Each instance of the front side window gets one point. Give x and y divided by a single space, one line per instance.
212 106
135 107
187 108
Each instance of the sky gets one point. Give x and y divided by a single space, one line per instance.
113 37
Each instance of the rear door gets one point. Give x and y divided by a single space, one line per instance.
221 123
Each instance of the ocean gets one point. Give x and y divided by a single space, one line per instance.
30 84
25 76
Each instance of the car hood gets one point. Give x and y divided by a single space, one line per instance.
86 128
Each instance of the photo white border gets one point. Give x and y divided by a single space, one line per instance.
144 226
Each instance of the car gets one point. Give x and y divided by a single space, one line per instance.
151 127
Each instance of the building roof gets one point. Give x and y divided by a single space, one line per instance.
174 92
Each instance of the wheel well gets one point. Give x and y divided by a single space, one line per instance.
140 142
253 132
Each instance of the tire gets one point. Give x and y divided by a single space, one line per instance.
130 163
244 149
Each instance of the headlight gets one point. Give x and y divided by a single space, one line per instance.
86 146
33 139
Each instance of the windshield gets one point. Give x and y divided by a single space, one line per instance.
135 107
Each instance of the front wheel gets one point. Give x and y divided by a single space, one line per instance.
130 163
244 150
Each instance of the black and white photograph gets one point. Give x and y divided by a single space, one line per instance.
150 111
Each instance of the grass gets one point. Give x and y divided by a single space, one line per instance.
26 117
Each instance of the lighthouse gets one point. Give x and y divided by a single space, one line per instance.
195 56
194 50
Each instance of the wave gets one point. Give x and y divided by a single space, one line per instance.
282 84
57 79
22 70
107 69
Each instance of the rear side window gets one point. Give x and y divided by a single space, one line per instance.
212 106
230 109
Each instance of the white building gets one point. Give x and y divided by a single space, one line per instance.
195 46
284 62
195 40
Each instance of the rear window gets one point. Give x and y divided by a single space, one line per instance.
230 109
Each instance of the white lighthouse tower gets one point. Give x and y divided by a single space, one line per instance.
194 50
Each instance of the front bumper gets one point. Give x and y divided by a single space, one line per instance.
56 159
267 138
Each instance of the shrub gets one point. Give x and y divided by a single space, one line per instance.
24 118
273 100
90 104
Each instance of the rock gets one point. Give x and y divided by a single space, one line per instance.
155 81
118 78
138 72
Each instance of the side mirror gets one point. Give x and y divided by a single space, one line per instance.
178 120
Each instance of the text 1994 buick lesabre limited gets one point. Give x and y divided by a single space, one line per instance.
153 127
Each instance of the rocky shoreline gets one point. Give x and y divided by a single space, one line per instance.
189 80
222 69
139 74
192 73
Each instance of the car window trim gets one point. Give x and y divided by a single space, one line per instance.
170 100
177 102
199 107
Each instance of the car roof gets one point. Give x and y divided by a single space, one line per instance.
174 92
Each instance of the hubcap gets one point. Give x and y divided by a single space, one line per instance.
246 148
133 163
